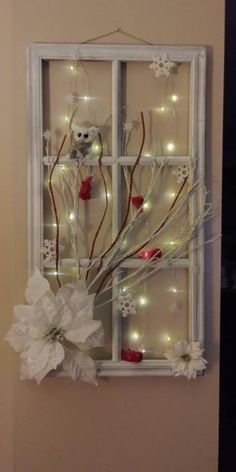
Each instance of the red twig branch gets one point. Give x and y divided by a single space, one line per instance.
50 189
106 205
129 196
112 268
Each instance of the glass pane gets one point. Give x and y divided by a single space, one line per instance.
162 312
77 234
159 189
165 104
81 85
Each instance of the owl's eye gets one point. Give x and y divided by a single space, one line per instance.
79 135
86 135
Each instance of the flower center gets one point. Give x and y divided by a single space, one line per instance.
186 357
55 334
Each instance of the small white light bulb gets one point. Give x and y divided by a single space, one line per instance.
170 147
142 301
173 289
170 194
85 98
174 98
72 68
146 205
72 216
134 335
66 119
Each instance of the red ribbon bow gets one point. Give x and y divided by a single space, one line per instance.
131 356
85 188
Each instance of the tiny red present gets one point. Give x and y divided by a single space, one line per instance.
150 254
137 202
85 188
131 356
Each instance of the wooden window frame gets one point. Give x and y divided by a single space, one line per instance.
116 54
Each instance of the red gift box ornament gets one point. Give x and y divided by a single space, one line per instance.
137 202
131 356
85 188
150 254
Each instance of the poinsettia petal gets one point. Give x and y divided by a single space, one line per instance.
80 366
81 335
18 337
88 368
71 365
46 307
44 355
23 313
36 287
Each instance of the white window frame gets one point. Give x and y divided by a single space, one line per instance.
196 57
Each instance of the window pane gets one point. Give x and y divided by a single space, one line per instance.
162 186
162 312
165 104
82 84
78 235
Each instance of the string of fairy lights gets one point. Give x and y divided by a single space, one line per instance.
137 339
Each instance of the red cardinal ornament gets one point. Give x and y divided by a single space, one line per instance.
137 202
131 356
150 254
85 188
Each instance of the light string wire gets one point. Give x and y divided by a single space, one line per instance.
163 264
173 253
129 195
51 192
171 216
106 203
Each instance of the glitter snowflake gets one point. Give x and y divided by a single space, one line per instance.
129 126
49 250
162 65
126 304
181 173
47 134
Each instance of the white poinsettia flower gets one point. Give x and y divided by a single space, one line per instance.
186 359
55 330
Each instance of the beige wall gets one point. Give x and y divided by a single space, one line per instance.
134 424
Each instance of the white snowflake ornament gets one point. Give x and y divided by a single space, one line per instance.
181 173
49 250
126 304
129 126
162 65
